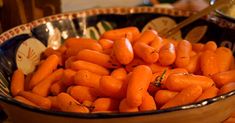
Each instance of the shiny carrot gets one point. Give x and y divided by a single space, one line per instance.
17 82
25 101
137 85
105 104
157 43
186 96
119 73
69 61
147 36
68 77
224 57
54 102
148 103
227 88
167 54
209 93
106 43
156 67
163 96
223 78
135 62
208 63
194 65
124 107
183 53
197 47
57 88
210 45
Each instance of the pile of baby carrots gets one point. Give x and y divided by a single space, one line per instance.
126 71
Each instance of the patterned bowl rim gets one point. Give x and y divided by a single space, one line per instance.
116 10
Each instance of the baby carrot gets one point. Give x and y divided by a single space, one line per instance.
232 66
87 78
69 104
183 53
54 102
227 88
43 87
69 61
105 43
197 47
82 93
147 36
156 67
223 78
157 43
224 57
178 82
116 34
146 52
96 58
193 65
119 73
36 99
124 107
123 50
57 88
137 85
229 120
45 69
84 65
167 54
135 62
105 104
208 63
68 77
186 96
148 103
210 45
209 93
113 87
17 82
163 96
25 101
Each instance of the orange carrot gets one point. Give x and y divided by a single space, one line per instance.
208 63
147 36
137 85
197 47
146 52
105 104
157 67
62 49
209 93
227 88
54 102
69 104
124 107
232 66
210 45
113 87
43 87
82 93
163 96
148 103
17 82
69 61
192 53
57 88
25 101
36 99
223 78
96 58
45 69
135 62
167 54
123 50
224 57
193 65
183 53
105 43
178 82
84 65
186 96
68 77
230 120
157 43
119 73
87 78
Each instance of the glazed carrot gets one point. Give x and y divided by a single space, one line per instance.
69 104
208 63
124 107
209 93
123 50
54 102
186 96
193 65
96 58
223 78
157 43
68 77
178 82
156 67
210 45
173 41
57 88
135 62
25 101
147 36
178 70
105 43
163 96
183 53
69 61
87 103
230 120
167 54
36 99
82 93
116 34
192 53
43 87
107 51
137 85
45 69
148 103
198 47
146 52
105 104
87 78
62 49
84 65
17 82
119 73
113 87
227 88
224 57
232 66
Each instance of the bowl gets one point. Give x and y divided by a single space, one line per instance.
21 48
